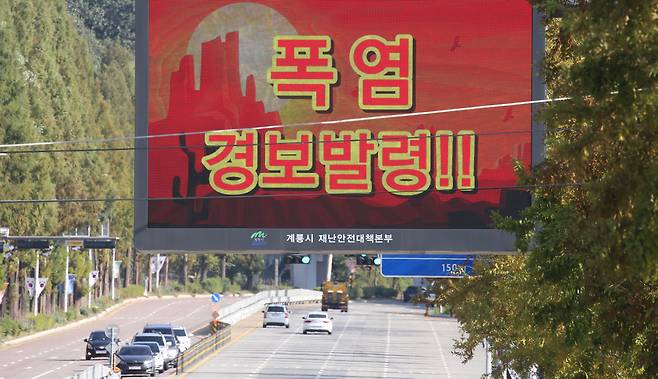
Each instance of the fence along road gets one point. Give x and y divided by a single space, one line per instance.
373 340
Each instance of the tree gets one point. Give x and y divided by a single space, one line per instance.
60 83
249 265
581 300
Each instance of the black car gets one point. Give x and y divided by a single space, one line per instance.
410 292
136 359
97 345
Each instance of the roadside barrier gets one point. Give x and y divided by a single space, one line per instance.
204 347
220 331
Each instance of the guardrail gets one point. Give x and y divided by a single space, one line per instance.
233 313
204 347
236 312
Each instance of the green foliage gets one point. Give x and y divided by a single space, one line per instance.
581 301
60 82
216 285
42 322
107 19
9 327
131 291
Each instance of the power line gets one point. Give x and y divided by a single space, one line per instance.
264 143
295 125
228 197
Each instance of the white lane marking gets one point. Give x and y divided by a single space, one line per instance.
28 368
388 346
43 374
260 367
438 343
333 348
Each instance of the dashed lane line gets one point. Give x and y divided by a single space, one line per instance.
387 352
438 343
260 367
43 374
333 348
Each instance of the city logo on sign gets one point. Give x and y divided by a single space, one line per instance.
258 238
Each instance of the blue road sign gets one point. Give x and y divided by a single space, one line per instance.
426 265
215 297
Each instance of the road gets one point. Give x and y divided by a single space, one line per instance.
374 340
61 354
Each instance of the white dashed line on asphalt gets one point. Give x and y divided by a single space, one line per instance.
387 352
438 343
43 374
333 349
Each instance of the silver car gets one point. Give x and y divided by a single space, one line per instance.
158 354
184 338
276 314
169 359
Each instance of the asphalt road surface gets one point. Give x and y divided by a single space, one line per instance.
62 353
373 340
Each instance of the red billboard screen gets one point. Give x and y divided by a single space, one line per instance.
341 115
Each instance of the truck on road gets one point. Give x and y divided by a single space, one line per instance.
335 295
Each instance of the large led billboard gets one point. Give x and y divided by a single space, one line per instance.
318 125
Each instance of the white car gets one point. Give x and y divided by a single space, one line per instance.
158 354
318 322
276 314
183 337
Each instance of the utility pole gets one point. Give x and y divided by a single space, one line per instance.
93 266
488 359
276 272
157 271
36 286
113 273
66 281
330 262
224 259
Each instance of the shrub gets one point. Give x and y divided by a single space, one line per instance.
356 292
234 288
71 315
131 291
9 327
177 287
216 284
369 292
386 292
42 322
195 288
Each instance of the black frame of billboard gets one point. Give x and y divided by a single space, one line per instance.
172 239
